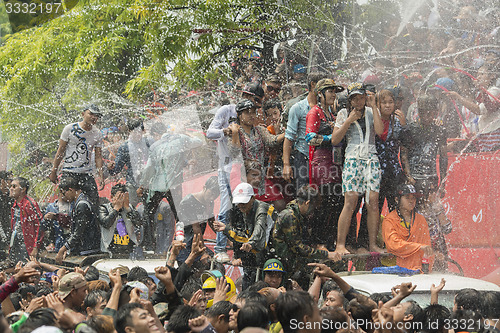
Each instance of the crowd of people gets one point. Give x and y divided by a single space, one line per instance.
299 153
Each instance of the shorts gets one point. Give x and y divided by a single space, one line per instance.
361 175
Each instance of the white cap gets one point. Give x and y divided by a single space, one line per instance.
242 193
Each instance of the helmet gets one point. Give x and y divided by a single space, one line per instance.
208 278
272 265
327 83
243 105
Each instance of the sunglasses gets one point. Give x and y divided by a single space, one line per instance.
271 88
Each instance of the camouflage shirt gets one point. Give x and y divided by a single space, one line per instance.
287 238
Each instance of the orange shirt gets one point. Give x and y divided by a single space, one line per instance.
405 243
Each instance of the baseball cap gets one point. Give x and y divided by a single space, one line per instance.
273 265
328 83
405 189
254 89
242 193
444 82
299 69
93 108
244 105
355 88
69 282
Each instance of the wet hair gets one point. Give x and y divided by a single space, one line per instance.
417 312
179 321
93 298
491 304
26 289
306 193
98 285
384 93
333 314
293 305
190 287
328 286
92 274
219 308
23 183
137 273
361 312
314 77
43 291
132 124
379 297
271 104
253 315
123 317
250 296
101 324
41 317
435 313
16 298
69 182
258 285
468 299
467 320
119 188
212 184
427 103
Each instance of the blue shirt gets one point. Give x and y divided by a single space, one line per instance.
296 126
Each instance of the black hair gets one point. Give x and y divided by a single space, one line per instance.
306 193
417 312
69 182
380 297
212 184
219 308
5 174
435 313
136 273
253 315
333 314
314 77
43 290
119 188
41 317
26 289
179 321
258 285
16 298
132 124
293 305
271 104
467 320
468 299
23 183
427 103
328 286
123 317
93 298
490 304
92 274
252 296
191 286
361 312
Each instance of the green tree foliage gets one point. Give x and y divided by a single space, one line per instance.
114 52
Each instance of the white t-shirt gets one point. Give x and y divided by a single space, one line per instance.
81 143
